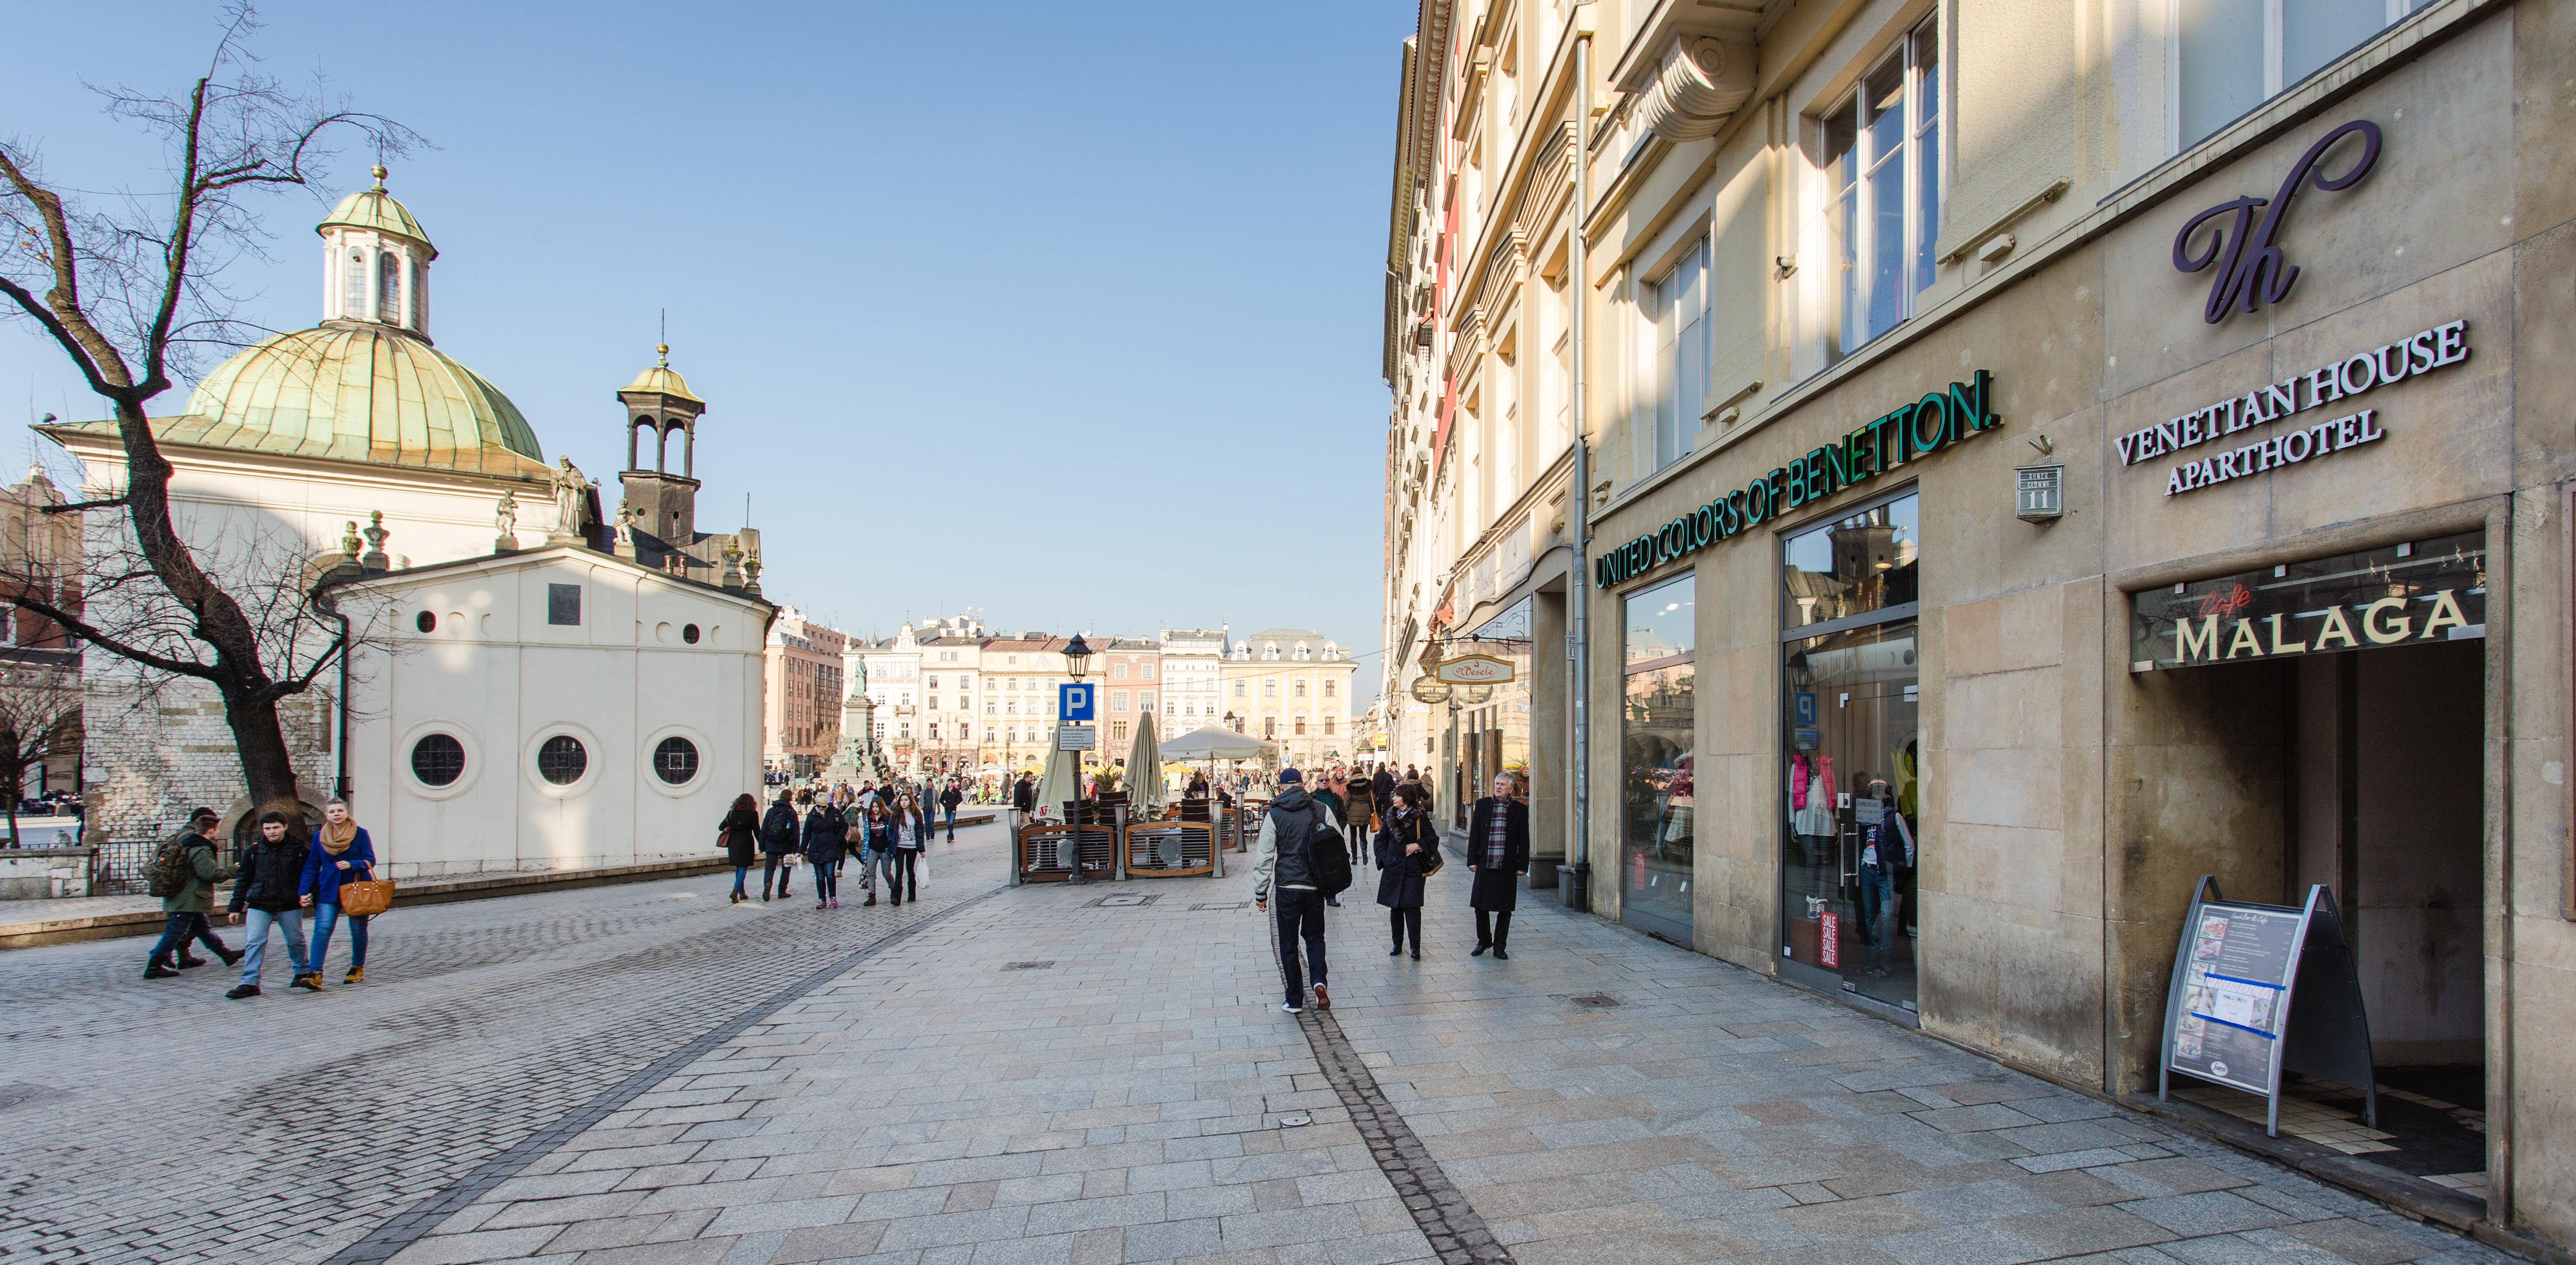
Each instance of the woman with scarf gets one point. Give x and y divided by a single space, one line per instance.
902 881
340 852
1408 850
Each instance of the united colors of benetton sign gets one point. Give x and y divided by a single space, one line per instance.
1917 430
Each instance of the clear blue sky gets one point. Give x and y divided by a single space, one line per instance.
992 304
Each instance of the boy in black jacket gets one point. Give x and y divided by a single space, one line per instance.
266 885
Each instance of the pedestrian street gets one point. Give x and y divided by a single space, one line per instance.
1101 1073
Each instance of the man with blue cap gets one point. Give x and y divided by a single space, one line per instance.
1283 859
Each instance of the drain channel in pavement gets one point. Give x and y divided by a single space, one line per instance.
1456 1232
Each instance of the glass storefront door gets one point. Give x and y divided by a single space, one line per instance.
1656 753
1852 733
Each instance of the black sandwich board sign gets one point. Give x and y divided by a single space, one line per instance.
2229 1014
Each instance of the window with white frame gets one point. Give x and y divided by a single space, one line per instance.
2229 56
1882 152
1675 309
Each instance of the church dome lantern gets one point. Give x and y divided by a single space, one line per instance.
375 261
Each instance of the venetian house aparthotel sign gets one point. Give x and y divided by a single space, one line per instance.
1889 442
2336 384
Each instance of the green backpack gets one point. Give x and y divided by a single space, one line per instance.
170 870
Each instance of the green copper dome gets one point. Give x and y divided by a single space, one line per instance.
358 393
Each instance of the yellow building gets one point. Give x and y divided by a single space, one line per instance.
1291 686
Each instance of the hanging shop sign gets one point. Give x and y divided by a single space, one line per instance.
2337 383
2433 590
2251 269
1473 669
1912 432
2228 1015
1430 689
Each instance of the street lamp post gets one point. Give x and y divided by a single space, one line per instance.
1077 662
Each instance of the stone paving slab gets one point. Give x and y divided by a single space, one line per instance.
935 1106
157 1121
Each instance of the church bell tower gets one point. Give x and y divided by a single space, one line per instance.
659 503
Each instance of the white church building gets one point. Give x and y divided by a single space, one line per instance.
546 688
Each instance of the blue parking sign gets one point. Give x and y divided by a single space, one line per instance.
1074 702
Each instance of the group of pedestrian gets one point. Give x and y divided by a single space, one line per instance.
886 829
1406 851
277 880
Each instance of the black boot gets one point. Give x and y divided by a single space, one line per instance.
157 970
231 957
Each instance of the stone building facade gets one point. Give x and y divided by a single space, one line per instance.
2032 457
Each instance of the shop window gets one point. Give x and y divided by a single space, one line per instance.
1675 312
2233 55
1658 801
1882 152
1853 566
1850 848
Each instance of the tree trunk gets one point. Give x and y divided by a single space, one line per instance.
266 765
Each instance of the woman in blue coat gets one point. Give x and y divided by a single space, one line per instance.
1407 845
340 851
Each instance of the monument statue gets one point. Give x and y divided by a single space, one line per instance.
858 760
505 516
569 489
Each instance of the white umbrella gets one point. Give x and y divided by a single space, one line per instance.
1058 784
1217 744
1144 771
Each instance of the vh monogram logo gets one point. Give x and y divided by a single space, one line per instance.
2251 269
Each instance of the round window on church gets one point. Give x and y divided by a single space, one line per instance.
562 760
689 633
676 761
425 622
438 759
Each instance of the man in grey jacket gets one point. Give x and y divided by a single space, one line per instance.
1282 860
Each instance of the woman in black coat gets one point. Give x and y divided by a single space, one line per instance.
1406 844
1498 852
741 834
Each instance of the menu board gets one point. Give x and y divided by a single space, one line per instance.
2228 1015
2238 963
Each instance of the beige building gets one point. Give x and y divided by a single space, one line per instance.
1291 686
2114 442
801 695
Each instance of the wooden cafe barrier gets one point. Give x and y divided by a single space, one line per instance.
1170 849
1055 853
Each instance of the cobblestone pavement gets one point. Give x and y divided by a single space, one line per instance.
1044 1078
160 1122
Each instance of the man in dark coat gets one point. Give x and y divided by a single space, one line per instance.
1383 784
778 847
1498 852
948 801
1282 871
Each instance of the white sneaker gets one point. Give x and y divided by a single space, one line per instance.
1291 1007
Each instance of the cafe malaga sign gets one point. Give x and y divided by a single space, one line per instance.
1926 426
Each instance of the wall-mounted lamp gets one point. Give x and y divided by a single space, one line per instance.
1786 266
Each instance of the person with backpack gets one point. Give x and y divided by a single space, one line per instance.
949 800
823 849
739 833
1408 851
1333 803
269 887
1498 853
1298 858
778 846
183 873
341 852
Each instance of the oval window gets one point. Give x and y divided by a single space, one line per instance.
425 622
562 760
437 759
689 633
676 761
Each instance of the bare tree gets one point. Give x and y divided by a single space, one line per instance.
40 716
130 293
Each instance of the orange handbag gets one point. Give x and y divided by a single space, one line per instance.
367 897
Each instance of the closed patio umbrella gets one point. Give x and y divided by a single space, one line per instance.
1144 772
